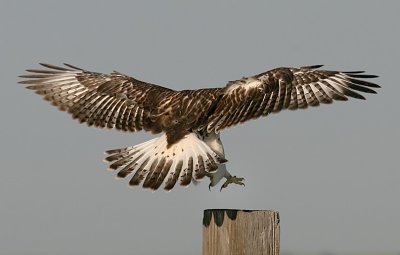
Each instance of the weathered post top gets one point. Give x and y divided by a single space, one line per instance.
240 232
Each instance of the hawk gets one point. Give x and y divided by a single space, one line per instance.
190 121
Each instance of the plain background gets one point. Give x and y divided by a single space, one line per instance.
332 172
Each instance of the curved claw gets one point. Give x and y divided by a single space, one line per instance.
232 179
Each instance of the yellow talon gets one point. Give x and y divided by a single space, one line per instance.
232 179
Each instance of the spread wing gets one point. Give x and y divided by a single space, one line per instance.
285 88
102 100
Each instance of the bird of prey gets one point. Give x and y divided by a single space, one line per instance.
190 120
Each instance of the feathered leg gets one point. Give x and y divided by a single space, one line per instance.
213 140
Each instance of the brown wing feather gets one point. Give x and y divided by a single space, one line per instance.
102 100
122 102
285 88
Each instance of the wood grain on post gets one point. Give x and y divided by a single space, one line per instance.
240 232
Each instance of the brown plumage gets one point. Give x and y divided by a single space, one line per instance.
188 117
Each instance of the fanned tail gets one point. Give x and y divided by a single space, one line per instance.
154 163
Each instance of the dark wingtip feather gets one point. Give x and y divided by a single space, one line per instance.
312 67
353 72
35 76
365 76
24 81
339 97
358 96
27 81
54 67
361 88
73 67
42 71
109 152
32 87
364 83
353 94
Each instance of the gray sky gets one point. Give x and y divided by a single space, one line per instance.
330 171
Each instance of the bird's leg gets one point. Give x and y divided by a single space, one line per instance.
232 179
222 172
213 140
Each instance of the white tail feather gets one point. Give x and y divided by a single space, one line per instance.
154 163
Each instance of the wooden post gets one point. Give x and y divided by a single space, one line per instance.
240 232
